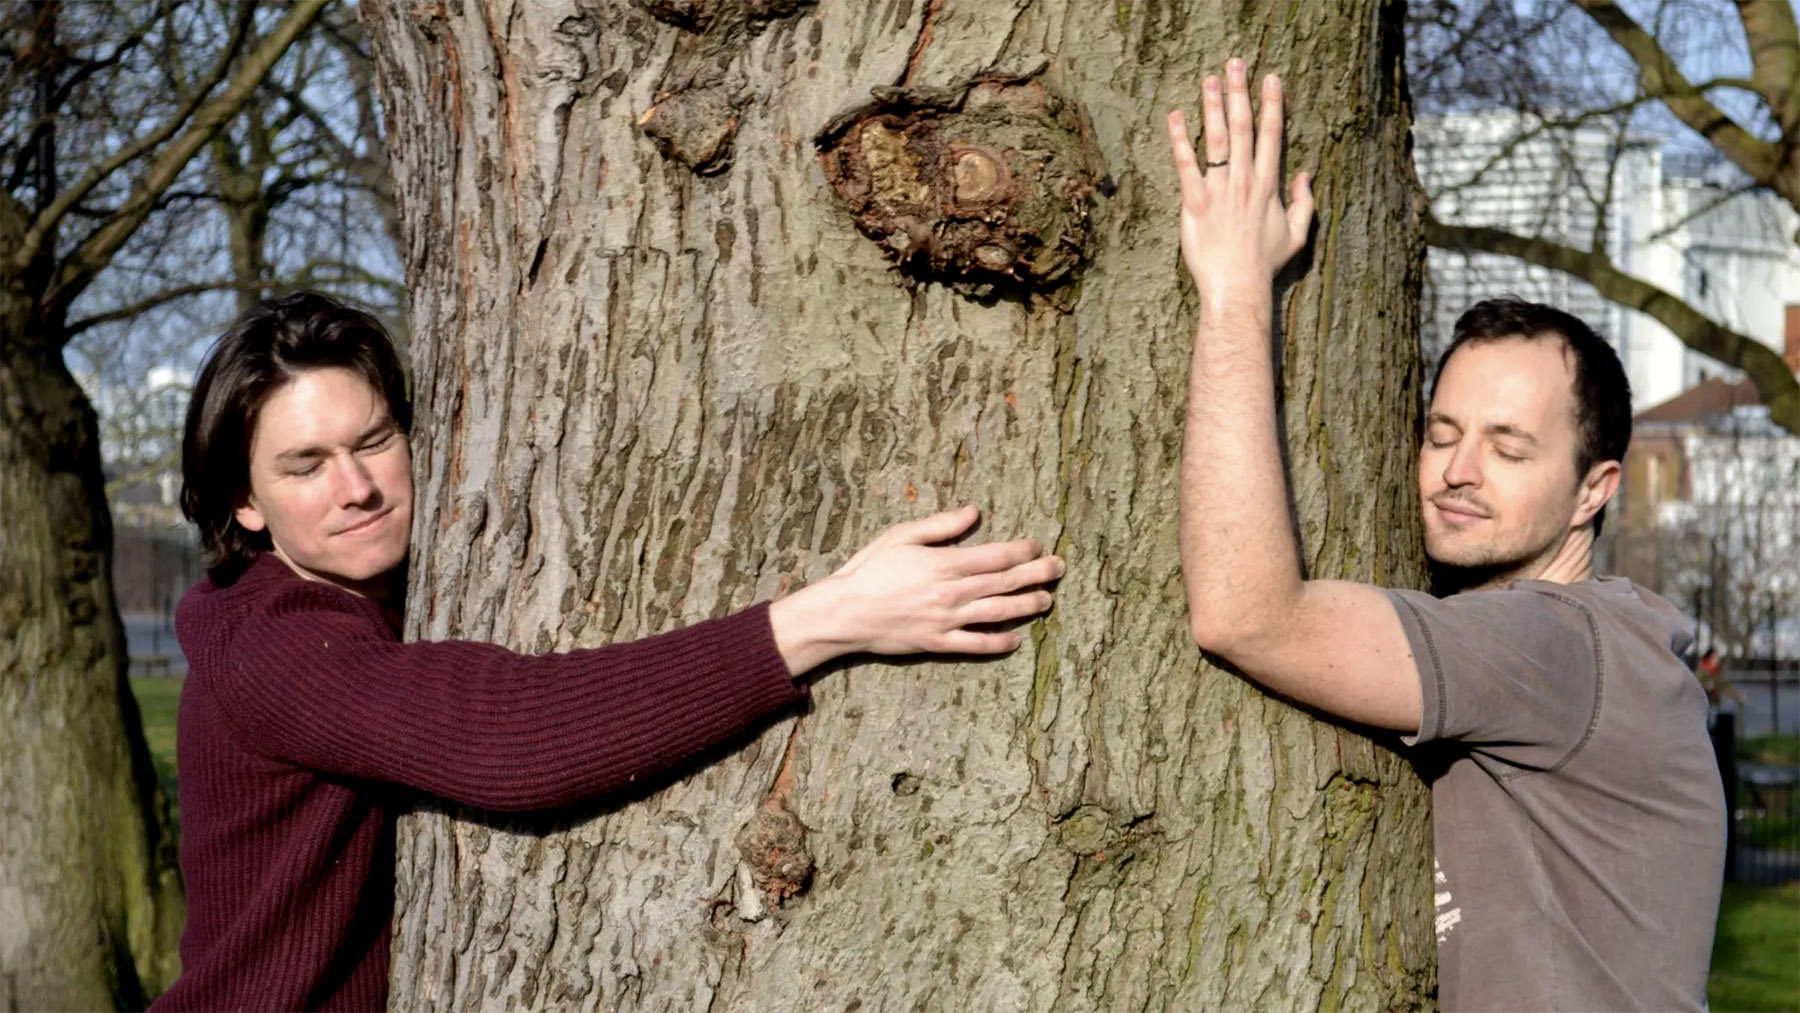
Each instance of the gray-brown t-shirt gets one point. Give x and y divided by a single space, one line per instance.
1579 817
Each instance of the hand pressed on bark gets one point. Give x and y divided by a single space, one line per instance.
1234 229
906 593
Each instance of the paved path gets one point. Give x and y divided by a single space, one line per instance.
149 635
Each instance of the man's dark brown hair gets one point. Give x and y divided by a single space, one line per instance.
261 353
1602 392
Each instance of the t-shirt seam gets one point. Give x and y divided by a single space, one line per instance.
1599 691
1437 667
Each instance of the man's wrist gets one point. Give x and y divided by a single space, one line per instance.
802 623
1224 298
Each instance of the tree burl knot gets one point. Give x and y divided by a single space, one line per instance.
773 844
991 185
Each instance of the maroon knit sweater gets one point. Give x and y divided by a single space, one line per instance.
303 719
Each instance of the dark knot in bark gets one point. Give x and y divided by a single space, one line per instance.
990 184
693 127
699 15
774 847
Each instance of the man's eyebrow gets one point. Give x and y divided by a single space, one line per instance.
299 454
380 427
1507 429
1510 430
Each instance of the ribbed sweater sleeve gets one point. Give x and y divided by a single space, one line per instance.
314 677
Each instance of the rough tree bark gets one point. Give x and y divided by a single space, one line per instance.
662 373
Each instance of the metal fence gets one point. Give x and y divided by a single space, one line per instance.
1763 839
1771 692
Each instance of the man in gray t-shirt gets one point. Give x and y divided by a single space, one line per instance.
1579 819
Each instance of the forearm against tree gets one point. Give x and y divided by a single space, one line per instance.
1334 645
1330 644
1239 561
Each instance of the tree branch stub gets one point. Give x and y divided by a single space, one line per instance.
773 846
695 115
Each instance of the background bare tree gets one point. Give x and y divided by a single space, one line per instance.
95 140
1721 78
1721 535
292 193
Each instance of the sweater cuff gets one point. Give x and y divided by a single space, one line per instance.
745 642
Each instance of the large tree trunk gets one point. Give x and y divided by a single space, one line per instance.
90 898
662 374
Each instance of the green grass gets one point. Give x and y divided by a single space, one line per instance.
1776 749
156 700
1756 954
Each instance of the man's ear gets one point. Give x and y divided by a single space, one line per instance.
249 517
1597 487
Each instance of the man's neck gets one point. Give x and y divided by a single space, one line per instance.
1573 561
379 588
1569 563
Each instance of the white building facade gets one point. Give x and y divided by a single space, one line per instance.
1729 253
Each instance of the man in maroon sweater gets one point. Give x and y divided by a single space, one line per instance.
305 723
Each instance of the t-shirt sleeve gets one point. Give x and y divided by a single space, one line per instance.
317 680
1515 673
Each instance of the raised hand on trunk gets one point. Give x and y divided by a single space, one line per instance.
1234 228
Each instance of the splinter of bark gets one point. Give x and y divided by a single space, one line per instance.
917 56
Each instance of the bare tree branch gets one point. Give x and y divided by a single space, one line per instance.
167 295
148 471
1663 80
53 213
1603 202
1738 83
1712 204
1760 363
33 130
88 68
372 172
163 171
1774 57
1535 124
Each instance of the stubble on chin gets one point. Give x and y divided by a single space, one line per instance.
1455 569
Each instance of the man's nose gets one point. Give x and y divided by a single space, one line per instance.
355 487
1464 466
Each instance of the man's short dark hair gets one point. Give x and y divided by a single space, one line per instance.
261 353
1602 392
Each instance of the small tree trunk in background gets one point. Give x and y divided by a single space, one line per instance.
239 180
662 374
91 903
